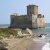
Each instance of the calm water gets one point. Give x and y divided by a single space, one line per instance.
4 25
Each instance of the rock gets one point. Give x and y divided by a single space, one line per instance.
3 46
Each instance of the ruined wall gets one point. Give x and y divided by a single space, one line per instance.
22 21
40 22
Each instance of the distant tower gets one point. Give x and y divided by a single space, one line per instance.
32 9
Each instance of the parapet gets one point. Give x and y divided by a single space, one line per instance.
14 14
32 5
40 16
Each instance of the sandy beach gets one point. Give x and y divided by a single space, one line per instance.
24 44
25 41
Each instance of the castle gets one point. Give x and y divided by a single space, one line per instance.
31 20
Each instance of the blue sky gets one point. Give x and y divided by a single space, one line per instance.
8 7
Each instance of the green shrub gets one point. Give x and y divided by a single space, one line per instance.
7 32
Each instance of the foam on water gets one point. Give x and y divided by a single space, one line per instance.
46 46
39 40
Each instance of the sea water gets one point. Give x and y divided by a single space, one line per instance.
46 31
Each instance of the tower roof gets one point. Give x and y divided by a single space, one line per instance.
32 5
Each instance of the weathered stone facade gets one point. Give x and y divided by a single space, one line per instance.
32 9
31 20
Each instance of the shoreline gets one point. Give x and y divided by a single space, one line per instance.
24 44
24 41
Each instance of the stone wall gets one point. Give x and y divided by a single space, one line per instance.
22 21
34 21
40 22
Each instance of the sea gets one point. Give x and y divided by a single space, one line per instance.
45 40
45 30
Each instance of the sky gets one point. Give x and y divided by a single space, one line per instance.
8 7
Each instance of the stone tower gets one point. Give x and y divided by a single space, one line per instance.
37 19
32 9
